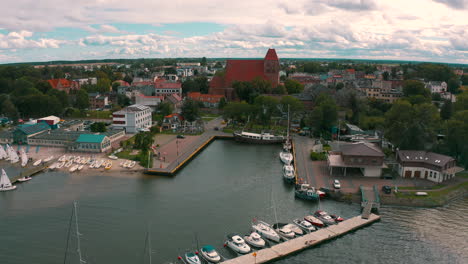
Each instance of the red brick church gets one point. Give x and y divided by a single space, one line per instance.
246 70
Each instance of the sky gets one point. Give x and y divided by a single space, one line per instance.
421 30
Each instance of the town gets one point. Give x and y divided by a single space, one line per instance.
356 129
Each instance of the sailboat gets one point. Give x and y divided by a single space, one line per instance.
24 158
13 156
285 155
3 154
5 183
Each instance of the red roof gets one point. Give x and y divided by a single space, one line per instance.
167 85
123 83
351 71
243 70
175 114
148 96
271 55
142 83
207 98
63 82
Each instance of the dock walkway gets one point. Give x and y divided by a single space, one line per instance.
30 172
303 242
370 200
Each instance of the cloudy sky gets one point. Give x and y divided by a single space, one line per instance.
424 30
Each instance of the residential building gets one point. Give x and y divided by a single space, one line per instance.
90 80
150 101
426 165
208 100
366 157
98 101
436 87
175 100
246 70
172 121
23 132
64 85
386 95
166 88
132 118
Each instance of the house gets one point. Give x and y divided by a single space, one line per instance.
172 121
436 87
367 157
166 88
23 132
90 80
64 85
92 143
426 165
175 100
208 100
150 101
52 121
132 118
98 101
246 70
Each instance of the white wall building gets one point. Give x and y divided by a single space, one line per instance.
150 101
437 87
132 118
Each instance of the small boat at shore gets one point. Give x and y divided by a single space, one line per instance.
68 164
73 168
24 179
132 164
48 159
255 240
5 183
24 158
80 167
37 162
60 165
304 225
108 165
53 166
313 220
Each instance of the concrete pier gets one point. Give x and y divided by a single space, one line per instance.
303 242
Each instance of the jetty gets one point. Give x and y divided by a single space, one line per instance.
30 172
188 155
298 244
370 200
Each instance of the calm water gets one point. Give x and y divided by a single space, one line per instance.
219 192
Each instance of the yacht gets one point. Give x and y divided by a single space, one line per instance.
255 240
337 218
192 258
306 192
313 220
297 230
283 231
286 157
288 173
210 254
304 225
324 217
266 231
5 183
236 243
262 138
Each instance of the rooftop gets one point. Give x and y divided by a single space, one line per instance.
90 138
424 156
33 129
361 149
133 109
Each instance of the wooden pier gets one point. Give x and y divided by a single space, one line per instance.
177 164
295 245
370 200
30 172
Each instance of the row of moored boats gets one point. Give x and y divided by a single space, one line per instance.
263 235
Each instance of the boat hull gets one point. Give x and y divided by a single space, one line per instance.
4 189
24 179
242 139
304 196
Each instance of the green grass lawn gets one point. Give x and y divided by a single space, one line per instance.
208 118
431 194
462 175
126 155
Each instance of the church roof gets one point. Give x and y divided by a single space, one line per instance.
243 70
271 55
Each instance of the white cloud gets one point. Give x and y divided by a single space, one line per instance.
20 40
456 4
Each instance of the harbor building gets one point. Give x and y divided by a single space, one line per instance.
426 165
132 118
92 143
23 132
366 157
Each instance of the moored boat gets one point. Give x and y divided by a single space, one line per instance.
24 179
108 165
80 167
132 164
37 162
283 231
288 173
306 192
192 258
304 225
297 230
255 240
262 138
266 231
210 254
60 165
313 220
324 217
286 157
237 244
73 168
5 183
48 159
337 218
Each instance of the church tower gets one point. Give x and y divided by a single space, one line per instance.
271 67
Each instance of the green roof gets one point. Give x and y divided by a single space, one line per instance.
33 129
90 138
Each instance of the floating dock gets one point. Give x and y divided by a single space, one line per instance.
295 245
30 172
177 164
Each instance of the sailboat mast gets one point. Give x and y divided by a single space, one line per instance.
149 244
78 233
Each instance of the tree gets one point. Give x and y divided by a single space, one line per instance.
293 86
266 107
165 108
189 85
43 86
222 103
457 129
339 86
98 127
143 141
9 110
324 115
5 86
464 79
115 86
295 105
82 100
385 76
62 97
123 100
203 61
280 89
453 84
446 110
413 87
462 102
190 110
103 85
245 91
238 111
128 78
202 84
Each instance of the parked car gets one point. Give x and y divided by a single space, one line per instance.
387 189
180 136
216 128
336 184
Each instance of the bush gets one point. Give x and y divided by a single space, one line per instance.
317 156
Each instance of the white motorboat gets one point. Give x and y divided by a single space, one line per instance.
68 164
304 225
126 164
60 165
192 258
24 158
113 157
80 167
5 183
77 159
37 162
210 254
266 231
288 173
255 240
313 220
237 244
132 164
24 179
286 157
48 159
324 217
62 158
297 230
284 231
73 168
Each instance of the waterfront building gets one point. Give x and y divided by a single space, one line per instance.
366 157
426 165
246 70
23 132
92 143
132 118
